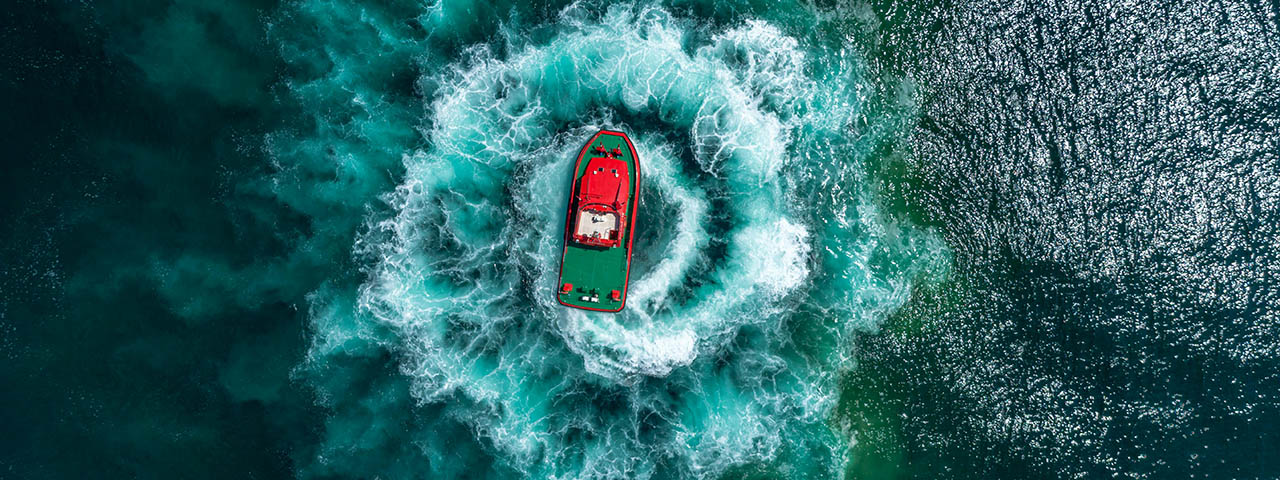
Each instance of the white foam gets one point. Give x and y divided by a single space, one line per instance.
648 292
775 255
461 256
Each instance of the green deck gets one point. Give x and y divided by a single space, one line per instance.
601 270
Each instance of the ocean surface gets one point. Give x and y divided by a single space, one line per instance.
929 239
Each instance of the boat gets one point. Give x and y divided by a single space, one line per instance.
600 224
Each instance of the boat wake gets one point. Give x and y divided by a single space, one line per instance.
759 251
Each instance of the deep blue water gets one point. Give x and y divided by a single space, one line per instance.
879 240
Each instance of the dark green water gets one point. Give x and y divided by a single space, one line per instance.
885 240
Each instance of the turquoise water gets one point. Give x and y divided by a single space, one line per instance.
757 217
910 240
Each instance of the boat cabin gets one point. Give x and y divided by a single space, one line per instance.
601 203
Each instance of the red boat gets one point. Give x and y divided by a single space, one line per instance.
599 224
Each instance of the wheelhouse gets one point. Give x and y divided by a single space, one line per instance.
600 211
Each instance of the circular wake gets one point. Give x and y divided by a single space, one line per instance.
759 252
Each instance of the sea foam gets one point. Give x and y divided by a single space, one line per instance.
703 370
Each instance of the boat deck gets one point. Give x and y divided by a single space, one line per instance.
596 224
